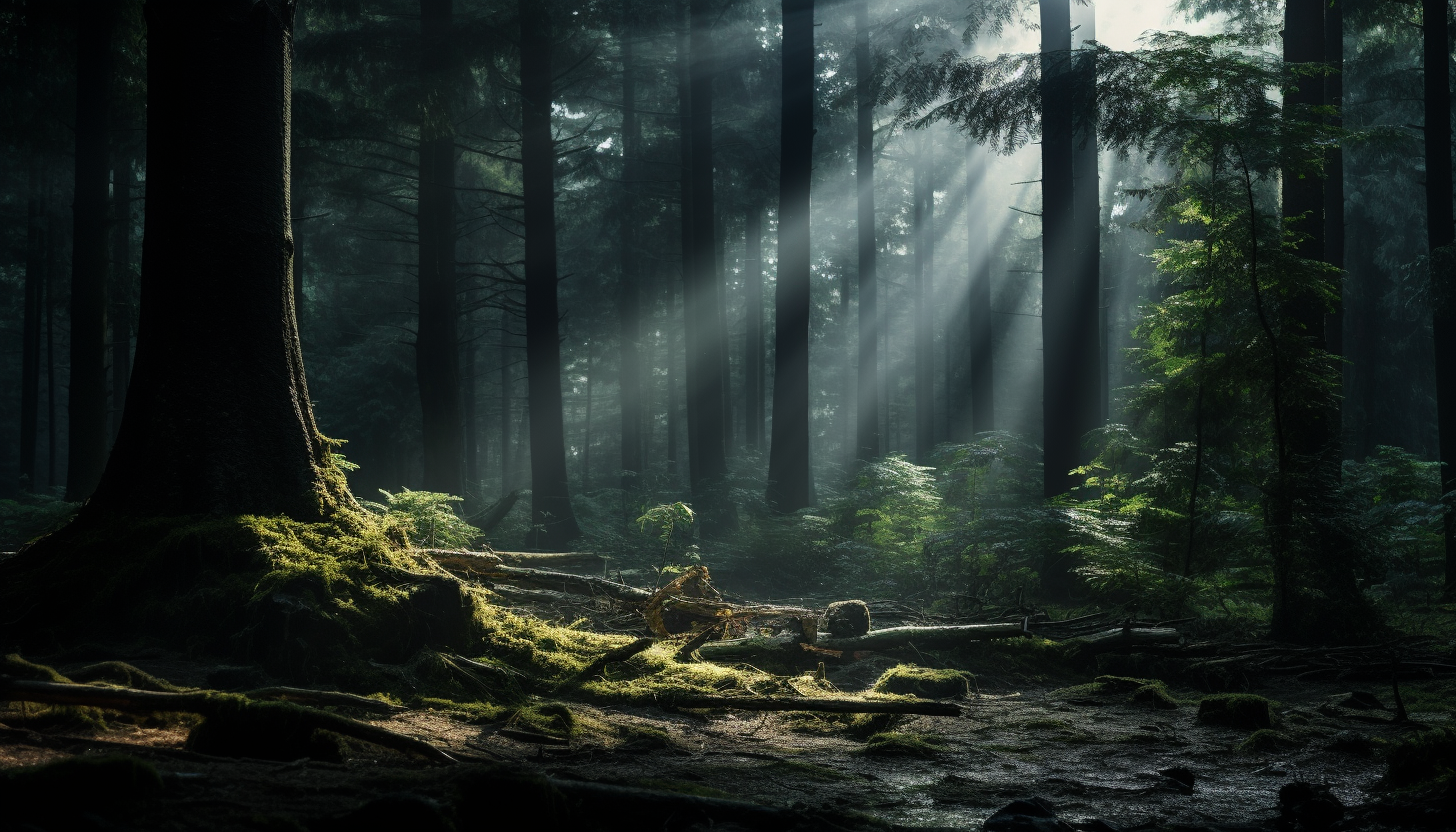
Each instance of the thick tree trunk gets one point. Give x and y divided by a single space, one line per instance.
87 435
1087 291
628 291
472 436
31 328
707 431
790 480
553 524
983 401
218 419
1334 207
753 330
120 290
868 422
437 345
1063 429
924 224
685 240
1440 235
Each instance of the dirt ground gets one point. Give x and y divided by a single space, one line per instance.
1090 754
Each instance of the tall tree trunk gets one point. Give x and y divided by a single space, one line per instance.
983 401
707 433
1087 291
628 291
121 290
867 443
508 480
1440 235
846 379
1334 203
472 427
218 420
790 480
675 348
753 330
437 346
924 222
586 433
685 242
1063 430
35 299
87 434
52 279
553 524
720 290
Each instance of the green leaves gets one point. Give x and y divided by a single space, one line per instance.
426 517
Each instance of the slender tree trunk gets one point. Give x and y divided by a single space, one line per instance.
52 278
983 401
690 333
707 432
1062 442
868 445
924 221
674 349
472 427
121 291
508 480
1334 196
720 275
847 402
218 419
87 434
553 524
790 480
1440 235
437 346
628 291
35 299
753 330
586 438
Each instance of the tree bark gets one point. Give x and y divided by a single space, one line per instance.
120 290
31 328
628 291
1440 235
87 434
1063 429
1087 291
218 420
983 401
503 356
437 345
753 375
924 223
790 480
867 425
553 524
707 432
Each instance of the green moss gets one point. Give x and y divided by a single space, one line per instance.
475 713
681 787
924 682
1236 710
303 599
895 744
1155 696
547 718
1120 684
864 726
1045 724
1421 759
123 674
641 739
16 667
1264 741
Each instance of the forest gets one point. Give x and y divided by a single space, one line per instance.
1019 415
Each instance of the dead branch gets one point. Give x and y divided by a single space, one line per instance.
326 697
619 654
807 703
922 637
205 704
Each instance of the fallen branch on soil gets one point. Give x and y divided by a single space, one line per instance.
205 704
922 637
480 566
1126 637
807 703
685 652
619 654
326 697
493 515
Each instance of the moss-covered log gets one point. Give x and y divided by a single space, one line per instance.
845 705
211 704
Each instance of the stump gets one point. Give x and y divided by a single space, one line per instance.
847 618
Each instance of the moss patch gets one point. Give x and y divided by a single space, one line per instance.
1265 741
1236 710
924 682
895 744
1154 696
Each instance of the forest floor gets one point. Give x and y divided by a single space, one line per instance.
1090 754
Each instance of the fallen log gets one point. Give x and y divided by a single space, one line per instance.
204 704
326 697
558 581
810 703
922 637
1121 637
494 514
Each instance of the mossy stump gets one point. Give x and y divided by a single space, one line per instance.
846 619
1236 710
924 682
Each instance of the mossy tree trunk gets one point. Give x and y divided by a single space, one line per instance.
218 419
867 423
